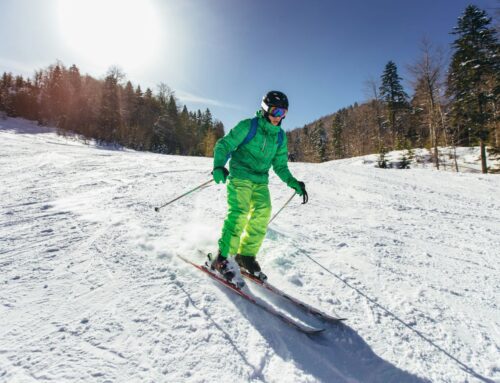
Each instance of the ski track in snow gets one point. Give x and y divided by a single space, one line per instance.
91 290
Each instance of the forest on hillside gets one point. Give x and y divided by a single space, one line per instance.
111 110
453 104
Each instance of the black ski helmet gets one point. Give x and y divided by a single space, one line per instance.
274 98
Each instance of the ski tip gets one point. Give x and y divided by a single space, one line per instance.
331 319
313 331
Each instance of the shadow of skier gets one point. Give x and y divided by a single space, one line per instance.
338 354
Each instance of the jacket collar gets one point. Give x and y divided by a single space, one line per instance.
266 125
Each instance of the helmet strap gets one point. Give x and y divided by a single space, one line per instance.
266 116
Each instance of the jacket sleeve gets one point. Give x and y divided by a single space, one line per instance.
280 163
230 142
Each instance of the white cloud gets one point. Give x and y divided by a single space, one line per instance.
16 67
188 97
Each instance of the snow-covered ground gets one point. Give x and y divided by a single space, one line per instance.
468 160
91 289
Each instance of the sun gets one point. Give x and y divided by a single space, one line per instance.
125 33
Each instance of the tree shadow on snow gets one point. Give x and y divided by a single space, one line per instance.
23 126
19 125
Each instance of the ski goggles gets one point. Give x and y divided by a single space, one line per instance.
274 111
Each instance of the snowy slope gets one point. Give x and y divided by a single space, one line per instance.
91 289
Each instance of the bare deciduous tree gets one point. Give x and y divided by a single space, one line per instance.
427 81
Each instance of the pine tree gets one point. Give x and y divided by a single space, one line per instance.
189 131
382 161
395 98
129 118
90 106
75 79
166 131
138 106
218 129
209 138
73 104
5 86
305 144
337 142
206 121
150 112
109 113
295 147
57 94
322 142
173 115
474 76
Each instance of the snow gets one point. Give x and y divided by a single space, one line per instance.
92 290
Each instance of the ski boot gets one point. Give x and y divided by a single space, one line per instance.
251 265
224 268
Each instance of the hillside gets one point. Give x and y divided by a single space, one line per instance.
92 289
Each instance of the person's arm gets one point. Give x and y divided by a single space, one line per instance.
280 167
230 142
280 163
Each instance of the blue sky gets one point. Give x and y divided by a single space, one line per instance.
225 54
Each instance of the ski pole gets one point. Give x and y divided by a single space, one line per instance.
185 194
286 203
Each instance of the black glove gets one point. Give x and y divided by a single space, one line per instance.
304 194
300 188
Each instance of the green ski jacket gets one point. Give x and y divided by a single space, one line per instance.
253 160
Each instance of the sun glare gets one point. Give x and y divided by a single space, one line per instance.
111 32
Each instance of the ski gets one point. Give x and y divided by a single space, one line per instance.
297 325
304 306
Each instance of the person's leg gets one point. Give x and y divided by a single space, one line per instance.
239 194
260 213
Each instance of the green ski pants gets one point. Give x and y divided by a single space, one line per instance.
249 210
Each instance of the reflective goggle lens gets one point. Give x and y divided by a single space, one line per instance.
277 112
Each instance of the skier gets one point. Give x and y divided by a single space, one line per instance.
254 145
